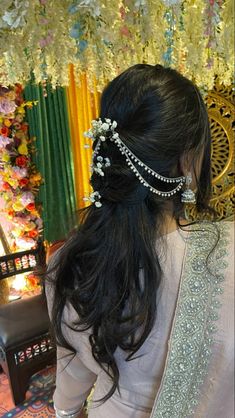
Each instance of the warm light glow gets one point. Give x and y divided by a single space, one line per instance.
19 283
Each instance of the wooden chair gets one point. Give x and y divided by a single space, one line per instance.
25 342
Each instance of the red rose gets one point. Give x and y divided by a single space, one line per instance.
21 161
4 131
30 207
24 182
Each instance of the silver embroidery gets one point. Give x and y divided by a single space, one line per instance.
196 313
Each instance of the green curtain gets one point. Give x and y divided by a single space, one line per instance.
48 122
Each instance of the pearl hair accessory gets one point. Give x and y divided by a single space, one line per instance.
94 198
100 132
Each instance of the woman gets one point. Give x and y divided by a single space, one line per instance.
141 301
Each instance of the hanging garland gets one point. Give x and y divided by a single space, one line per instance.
19 179
103 37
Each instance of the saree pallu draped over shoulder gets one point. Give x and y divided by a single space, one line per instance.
194 324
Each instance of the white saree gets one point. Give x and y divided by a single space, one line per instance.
185 368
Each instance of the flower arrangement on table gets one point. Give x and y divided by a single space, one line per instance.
19 179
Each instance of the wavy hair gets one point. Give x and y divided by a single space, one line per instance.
161 117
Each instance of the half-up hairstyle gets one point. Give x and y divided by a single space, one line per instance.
161 117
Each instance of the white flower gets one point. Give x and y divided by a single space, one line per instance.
105 126
171 2
107 162
95 198
115 135
140 3
108 120
114 124
102 138
88 134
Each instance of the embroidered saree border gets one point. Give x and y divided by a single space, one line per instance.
194 323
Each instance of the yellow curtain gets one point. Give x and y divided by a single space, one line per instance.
83 106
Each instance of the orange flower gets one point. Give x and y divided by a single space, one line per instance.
18 89
24 127
34 213
7 122
30 207
32 280
33 233
6 186
11 213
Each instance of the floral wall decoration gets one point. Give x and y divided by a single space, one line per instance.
19 179
104 37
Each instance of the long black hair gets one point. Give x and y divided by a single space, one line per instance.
161 117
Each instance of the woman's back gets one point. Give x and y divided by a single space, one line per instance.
154 370
143 307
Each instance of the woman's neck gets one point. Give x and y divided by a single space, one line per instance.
170 224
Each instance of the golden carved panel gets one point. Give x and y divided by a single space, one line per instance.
220 105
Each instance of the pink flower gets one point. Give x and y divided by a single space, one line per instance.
7 106
122 13
25 243
39 223
4 141
43 43
19 173
125 31
44 21
46 41
27 198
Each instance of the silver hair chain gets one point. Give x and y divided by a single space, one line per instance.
101 131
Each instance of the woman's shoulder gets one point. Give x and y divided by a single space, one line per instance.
227 234
220 230
214 242
224 256
228 229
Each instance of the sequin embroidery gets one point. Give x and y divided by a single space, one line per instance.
194 324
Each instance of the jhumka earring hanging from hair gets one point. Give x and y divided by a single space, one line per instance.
188 196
